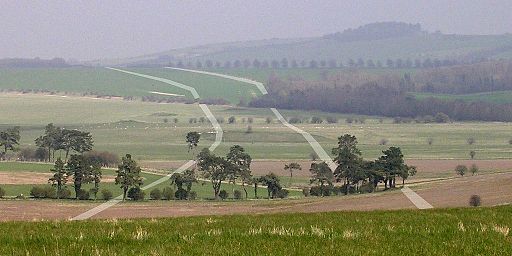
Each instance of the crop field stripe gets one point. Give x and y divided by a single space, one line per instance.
259 85
416 199
218 139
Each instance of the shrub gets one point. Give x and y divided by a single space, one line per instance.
294 120
305 192
136 194
237 194
155 194
106 194
472 154
317 191
94 192
470 141
181 194
250 120
441 118
64 193
192 195
475 201
41 154
282 193
473 169
383 142
83 194
43 192
268 120
430 141
461 170
249 129
331 120
2 192
223 194
313 156
168 193
231 120
316 120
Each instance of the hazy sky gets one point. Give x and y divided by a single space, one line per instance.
105 29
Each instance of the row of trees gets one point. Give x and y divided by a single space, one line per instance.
313 64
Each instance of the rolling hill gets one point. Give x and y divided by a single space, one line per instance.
377 41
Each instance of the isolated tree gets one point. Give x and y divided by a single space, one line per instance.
79 168
472 154
268 120
473 169
322 175
231 120
10 138
192 140
273 184
461 170
214 168
292 167
240 163
349 160
392 162
60 176
430 141
128 174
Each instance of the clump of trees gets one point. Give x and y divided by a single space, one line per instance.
9 139
129 176
64 140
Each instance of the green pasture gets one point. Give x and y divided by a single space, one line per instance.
460 231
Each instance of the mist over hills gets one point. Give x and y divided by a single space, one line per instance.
376 41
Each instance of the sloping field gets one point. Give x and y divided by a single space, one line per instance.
497 97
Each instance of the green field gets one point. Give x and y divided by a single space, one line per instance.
497 97
468 231
101 81
139 128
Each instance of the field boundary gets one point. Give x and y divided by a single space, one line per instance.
218 139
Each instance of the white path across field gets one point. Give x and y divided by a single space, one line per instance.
209 115
259 85
416 199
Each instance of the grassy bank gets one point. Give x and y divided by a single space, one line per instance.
468 231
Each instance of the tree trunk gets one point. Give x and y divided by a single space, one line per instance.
256 190
124 193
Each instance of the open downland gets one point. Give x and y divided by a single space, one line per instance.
494 189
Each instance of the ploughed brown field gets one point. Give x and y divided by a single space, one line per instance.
494 189
20 178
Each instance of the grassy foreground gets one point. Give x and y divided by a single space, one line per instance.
468 231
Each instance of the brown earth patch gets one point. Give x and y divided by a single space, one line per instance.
33 210
19 178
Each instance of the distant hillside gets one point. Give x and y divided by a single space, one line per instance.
377 42
33 63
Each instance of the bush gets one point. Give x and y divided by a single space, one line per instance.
2 192
313 156
470 141
250 120
168 193
249 129
136 194
64 193
83 194
475 201
181 194
294 120
441 118
223 194
268 120
305 192
331 120
383 142
231 120
316 120
237 194
461 170
430 141
317 191
43 192
155 194
473 169
106 194
283 193
192 195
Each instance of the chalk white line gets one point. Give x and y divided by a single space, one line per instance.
314 144
163 80
167 94
218 139
416 199
259 85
